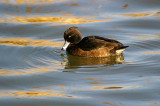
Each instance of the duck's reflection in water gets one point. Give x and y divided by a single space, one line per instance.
74 62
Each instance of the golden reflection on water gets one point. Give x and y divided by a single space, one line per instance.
38 92
146 36
61 20
152 102
137 15
96 82
54 66
35 93
29 42
142 14
142 37
158 35
112 87
4 72
152 52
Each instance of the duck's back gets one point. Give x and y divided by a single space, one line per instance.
95 42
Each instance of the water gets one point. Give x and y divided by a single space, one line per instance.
35 72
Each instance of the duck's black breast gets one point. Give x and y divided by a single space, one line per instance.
94 42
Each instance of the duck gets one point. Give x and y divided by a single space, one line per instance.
90 46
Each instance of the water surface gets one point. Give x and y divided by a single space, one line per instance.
34 70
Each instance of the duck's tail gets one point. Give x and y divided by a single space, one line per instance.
123 47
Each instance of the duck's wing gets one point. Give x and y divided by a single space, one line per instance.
94 42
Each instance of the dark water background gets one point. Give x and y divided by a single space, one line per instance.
35 72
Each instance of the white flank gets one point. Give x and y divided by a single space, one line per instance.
120 51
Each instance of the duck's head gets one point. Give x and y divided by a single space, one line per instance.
71 36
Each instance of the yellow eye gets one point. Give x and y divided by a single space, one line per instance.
69 36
